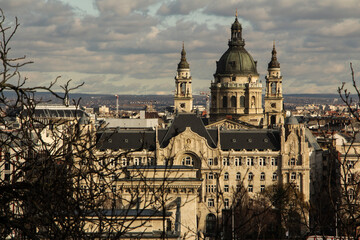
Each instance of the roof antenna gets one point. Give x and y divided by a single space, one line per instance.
236 14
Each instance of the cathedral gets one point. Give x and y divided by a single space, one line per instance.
236 92
202 169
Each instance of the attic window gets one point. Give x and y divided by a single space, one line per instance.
110 140
249 140
126 140
266 140
233 140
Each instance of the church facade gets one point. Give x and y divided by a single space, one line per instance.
199 172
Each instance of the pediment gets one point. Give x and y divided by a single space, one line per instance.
228 125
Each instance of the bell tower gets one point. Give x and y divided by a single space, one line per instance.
274 112
183 99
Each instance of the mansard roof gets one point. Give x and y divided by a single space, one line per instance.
260 139
126 139
132 212
250 139
59 113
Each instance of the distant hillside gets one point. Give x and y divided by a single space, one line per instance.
318 95
162 101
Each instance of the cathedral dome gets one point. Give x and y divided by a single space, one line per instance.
236 60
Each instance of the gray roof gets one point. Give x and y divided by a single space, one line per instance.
146 139
312 140
59 113
250 139
181 122
126 139
292 120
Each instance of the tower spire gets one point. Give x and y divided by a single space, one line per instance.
183 63
274 62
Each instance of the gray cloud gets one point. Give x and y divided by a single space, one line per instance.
137 43
183 7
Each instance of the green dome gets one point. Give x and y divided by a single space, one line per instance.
236 60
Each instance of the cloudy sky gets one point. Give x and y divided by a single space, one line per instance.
133 46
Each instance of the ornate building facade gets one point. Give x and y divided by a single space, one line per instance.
205 169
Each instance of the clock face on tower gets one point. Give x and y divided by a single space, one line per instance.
182 105
273 105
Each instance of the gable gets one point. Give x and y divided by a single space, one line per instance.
230 124
179 125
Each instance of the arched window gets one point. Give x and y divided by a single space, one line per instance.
137 161
225 102
250 161
187 160
233 101
226 161
213 102
349 178
262 162
242 101
183 88
238 176
226 176
273 120
274 177
292 162
274 162
226 203
293 176
210 223
251 176
253 101
262 176
273 88
211 176
351 194
299 162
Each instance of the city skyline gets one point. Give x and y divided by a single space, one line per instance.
120 47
